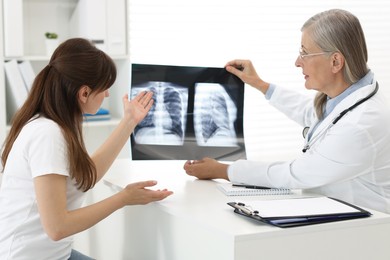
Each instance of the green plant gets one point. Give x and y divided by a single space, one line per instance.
50 35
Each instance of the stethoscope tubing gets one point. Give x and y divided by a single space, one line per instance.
334 121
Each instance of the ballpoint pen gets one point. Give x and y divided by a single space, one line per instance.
250 186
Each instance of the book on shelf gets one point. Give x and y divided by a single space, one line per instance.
101 114
27 73
16 91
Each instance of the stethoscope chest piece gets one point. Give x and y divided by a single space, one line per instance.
305 131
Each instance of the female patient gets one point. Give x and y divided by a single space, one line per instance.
47 170
347 150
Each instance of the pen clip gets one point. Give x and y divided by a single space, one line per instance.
244 209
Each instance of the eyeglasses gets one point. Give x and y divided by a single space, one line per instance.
303 55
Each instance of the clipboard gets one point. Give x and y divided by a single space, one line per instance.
299 211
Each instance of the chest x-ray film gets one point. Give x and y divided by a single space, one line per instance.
197 112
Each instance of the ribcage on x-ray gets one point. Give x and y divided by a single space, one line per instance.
173 105
164 122
148 120
215 116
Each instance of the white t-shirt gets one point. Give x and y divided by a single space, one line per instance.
40 149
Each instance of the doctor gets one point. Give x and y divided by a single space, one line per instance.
347 138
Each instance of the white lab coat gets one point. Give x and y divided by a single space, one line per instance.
349 161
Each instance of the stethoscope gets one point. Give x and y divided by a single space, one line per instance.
345 111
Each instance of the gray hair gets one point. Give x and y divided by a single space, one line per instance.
340 31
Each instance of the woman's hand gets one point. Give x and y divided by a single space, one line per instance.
60 222
206 169
136 109
138 193
245 70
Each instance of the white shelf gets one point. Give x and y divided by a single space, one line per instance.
112 122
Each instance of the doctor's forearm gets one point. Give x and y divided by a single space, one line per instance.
260 85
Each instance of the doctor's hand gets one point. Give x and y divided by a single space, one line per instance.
206 169
138 193
245 70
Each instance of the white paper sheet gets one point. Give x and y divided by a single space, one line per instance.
298 207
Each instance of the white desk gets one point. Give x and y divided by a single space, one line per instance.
196 223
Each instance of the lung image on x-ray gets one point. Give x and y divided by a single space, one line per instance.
214 116
197 112
166 120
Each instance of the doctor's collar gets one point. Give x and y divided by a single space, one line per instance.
333 102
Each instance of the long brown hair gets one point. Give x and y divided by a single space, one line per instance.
54 95
338 30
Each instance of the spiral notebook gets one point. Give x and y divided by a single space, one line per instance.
230 190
